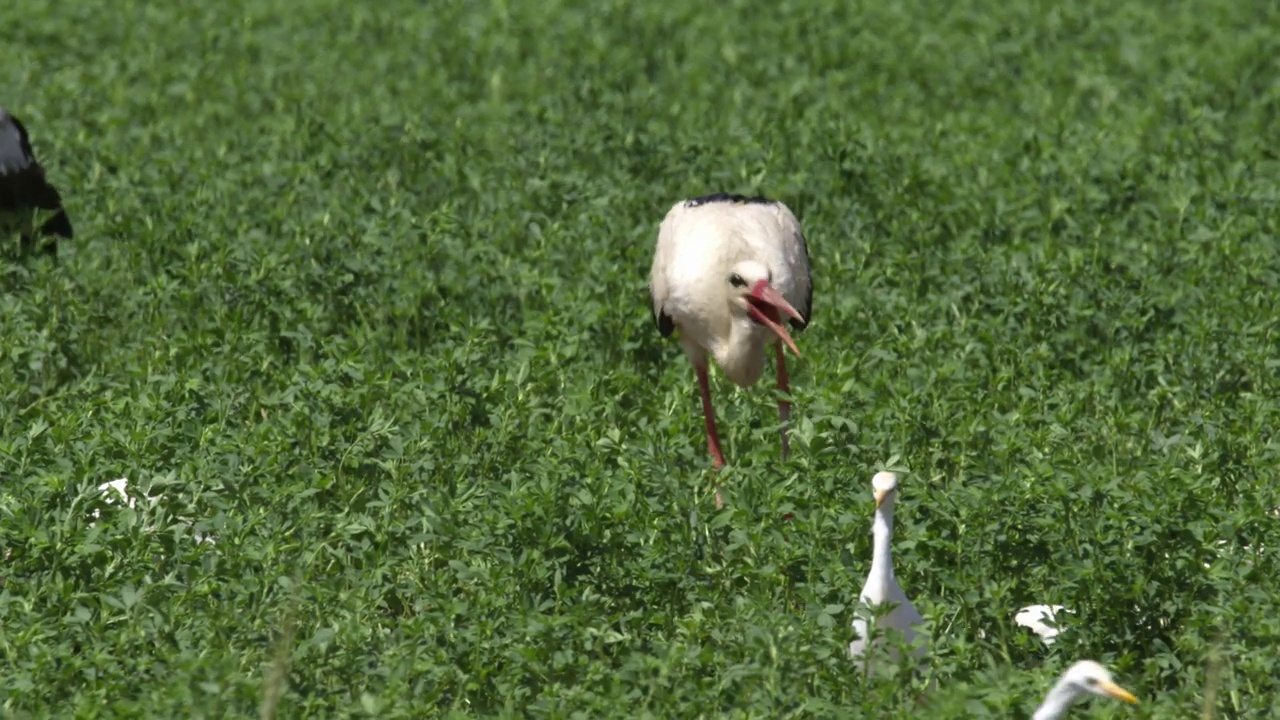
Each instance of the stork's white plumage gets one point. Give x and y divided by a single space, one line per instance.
725 270
882 585
1085 677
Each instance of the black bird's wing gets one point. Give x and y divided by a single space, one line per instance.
23 186
808 296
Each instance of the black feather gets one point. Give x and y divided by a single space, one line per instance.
665 324
59 225
728 198
24 188
808 297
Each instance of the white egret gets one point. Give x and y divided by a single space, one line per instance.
1041 620
882 585
1084 678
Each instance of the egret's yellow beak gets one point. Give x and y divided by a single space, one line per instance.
1113 690
880 496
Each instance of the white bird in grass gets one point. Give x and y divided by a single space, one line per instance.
725 270
881 585
1033 617
1083 678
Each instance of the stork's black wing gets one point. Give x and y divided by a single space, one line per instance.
24 188
808 298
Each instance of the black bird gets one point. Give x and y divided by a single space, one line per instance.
24 191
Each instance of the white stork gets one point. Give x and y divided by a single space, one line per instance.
725 270
24 189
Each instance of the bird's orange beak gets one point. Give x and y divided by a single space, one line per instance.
764 304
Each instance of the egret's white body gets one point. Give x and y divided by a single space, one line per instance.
1041 620
1084 678
882 585
725 270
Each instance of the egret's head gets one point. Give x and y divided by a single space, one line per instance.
1088 676
884 485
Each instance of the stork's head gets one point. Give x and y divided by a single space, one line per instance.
751 293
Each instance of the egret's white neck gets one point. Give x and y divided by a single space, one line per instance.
882 541
742 356
1057 702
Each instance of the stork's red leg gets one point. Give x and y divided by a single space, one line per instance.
784 407
709 415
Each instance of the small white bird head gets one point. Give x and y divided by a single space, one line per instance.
751 294
1088 676
884 485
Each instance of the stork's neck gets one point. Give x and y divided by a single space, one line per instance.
882 541
1057 702
741 356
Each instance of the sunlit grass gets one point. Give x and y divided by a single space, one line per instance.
359 292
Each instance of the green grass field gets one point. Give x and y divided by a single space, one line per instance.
360 289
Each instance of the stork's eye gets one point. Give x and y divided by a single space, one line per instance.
1091 681
737 281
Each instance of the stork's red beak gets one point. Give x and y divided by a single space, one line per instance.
764 304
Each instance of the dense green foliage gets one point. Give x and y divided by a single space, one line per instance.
360 289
